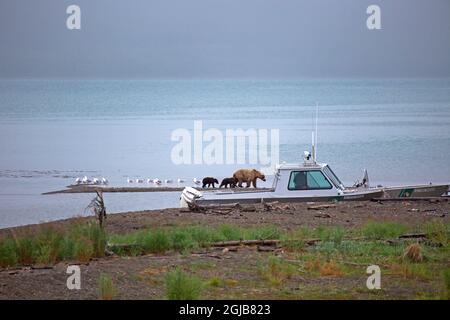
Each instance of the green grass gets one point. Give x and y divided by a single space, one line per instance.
106 287
25 248
187 238
262 233
229 232
81 242
182 286
438 231
156 242
363 249
8 253
383 230
215 282
332 234
84 242
202 265
275 270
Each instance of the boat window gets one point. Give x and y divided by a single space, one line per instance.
308 180
330 174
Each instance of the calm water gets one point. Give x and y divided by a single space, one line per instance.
52 131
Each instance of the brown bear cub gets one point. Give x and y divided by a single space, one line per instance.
248 176
208 181
228 182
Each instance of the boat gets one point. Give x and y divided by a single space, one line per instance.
307 181
405 191
415 191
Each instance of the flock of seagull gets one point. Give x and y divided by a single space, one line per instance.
86 180
158 181
104 181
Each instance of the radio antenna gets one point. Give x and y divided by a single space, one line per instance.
314 136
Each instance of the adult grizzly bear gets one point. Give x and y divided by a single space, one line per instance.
228 182
248 176
208 181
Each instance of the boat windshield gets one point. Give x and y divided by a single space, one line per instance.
330 174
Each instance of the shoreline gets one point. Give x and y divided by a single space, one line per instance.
350 213
93 188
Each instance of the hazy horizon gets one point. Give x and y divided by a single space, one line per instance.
224 39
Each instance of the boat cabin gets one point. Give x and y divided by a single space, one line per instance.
306 179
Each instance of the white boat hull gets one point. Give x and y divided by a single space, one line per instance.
243 197
415 191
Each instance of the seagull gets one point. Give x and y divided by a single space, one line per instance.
130 180
139 180
96 181
85 180
168 181
105 181
180 180
196 181
149 180
156 181
78 180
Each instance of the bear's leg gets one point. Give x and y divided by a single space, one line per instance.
254 182
204 185
249 182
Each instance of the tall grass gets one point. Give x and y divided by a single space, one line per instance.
81 242
438 231
106 287
85 241
275 270
182 286
8 253
383 230
185 238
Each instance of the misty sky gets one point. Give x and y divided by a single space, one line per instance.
224 39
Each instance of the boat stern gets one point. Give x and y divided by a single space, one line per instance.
188 197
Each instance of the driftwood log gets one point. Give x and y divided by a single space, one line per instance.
214 208
271 206
232 245
413 235
321 206
97 205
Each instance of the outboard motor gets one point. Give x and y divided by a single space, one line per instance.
364 183
188 196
